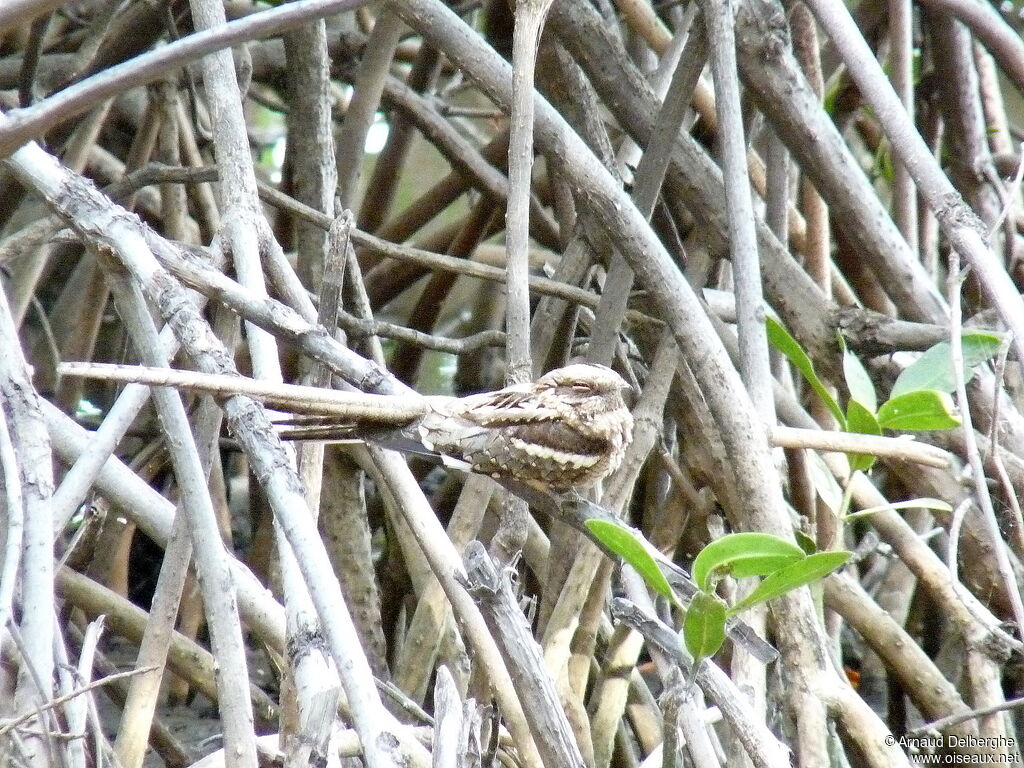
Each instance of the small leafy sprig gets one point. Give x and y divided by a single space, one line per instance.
920 399
783 566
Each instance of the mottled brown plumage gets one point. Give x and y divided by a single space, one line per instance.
568 429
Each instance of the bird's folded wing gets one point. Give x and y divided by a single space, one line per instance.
497 409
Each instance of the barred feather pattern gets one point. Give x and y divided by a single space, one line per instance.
569 429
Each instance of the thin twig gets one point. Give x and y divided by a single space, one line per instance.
12 724
358 327
937 726
850 442
1009 194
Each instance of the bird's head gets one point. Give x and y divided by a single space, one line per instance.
586 383
585 377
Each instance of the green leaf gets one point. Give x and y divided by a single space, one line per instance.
919 410
748 553
927 503
979 346
787 345
934 368
807 544
633 547
806 571
857 381
883 167
861 461
862 421
834 87
704 626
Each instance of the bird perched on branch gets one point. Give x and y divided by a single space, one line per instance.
569 429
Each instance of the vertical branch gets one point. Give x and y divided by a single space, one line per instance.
901 42
310 690
143 691
754 365
19 407
224 97
366 93
238 196
970 160
530 16
817 251
776 214
314 175
529 21
684 59
383 184
14 522
448 721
